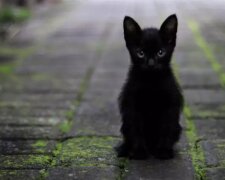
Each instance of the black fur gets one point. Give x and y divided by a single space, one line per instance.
151 100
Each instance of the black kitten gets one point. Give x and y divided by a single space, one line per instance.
151 100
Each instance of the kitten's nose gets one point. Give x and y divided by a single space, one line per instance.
150 62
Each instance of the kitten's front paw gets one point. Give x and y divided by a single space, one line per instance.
138 156
122 150
163 154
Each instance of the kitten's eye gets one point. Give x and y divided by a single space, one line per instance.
140 53
161 53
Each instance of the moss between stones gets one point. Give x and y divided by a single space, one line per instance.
20 55
123 163
14 51
40 146
25 161
221 145
40 143
195 149
220 148
43 174
42 160
65 126
88 151
4 173
41 77
7 69
193 25
206 112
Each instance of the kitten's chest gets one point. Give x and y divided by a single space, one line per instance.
155 96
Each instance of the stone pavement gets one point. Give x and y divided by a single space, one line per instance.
60 78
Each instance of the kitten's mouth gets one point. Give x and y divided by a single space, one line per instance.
152 67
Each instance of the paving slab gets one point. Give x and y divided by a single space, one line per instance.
20 132
214 153
30 121
211 129
191 78
26 147
29 112
215 173
204 96
178 168
213 111
19 174
83 173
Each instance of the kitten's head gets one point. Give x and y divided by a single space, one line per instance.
150 48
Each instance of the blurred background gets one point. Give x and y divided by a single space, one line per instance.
62 65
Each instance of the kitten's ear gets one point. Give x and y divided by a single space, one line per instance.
132 31
168 29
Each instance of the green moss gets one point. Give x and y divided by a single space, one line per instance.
88 151
208 114
43 174
220 152
193 25
57 150
84 85
70 114
40 77
4 50
65 126
205 112
10 14
6 173
195 150
20 55
40 146
25 161
38 159
123 163
56 153
6 69
221 145
40 143
187 112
